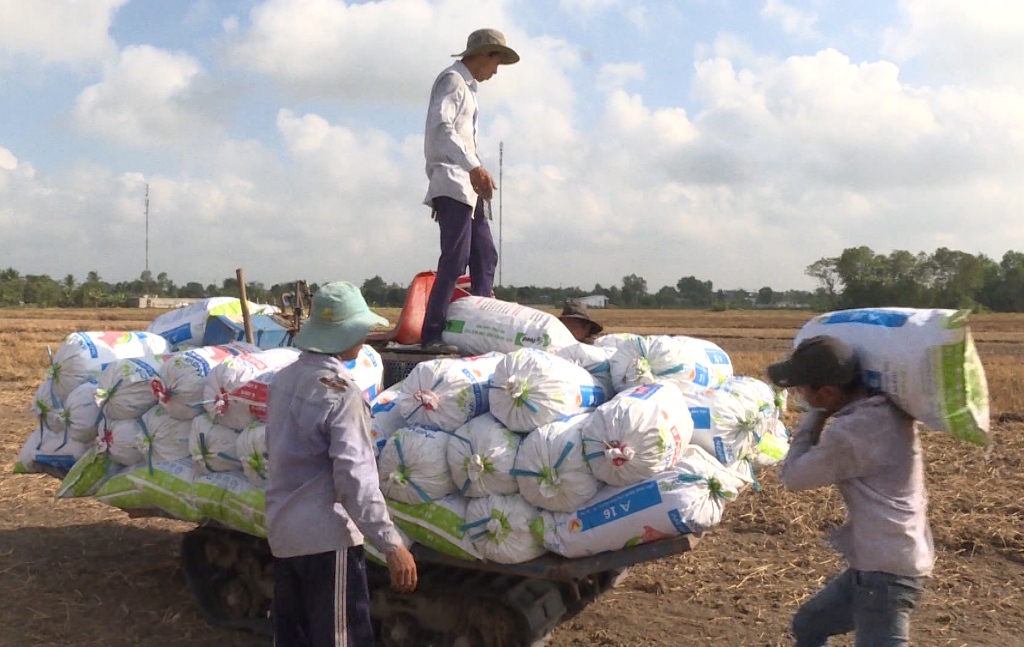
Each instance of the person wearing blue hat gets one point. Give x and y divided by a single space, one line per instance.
323 495
855 438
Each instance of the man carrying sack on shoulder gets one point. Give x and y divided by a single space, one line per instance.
857 439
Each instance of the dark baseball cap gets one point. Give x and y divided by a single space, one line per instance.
817 362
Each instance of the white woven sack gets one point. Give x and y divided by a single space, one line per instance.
659 358
614 340
413 465
236 389
710 355
447 393
502 528
46 407
595 359
638 434
550 469
186 326
531 388
183 376
50 447
924 359
481 455
385 418
252 451
81 413
478 325
688 498
122 389
213 447
82 356
436 524
367 371
117 439
729 421
772 447
161 437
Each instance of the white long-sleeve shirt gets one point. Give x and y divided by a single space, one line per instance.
449 141
871 452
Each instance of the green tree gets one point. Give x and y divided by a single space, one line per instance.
634 289
694 293
375 291
765 296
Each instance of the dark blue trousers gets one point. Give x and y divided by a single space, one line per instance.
465 242
322 600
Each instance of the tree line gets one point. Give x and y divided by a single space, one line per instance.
859 277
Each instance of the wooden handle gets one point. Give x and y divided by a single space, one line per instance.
246 321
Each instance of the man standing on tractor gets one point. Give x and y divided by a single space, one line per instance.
460 188
323 494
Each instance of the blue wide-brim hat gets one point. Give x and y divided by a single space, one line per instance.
339 320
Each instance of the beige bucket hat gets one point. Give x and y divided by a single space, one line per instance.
485 41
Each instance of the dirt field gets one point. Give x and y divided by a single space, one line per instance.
79 573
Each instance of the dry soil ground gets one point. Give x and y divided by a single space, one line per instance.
78 573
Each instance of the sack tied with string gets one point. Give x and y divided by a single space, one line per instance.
638 434
481 455
550 469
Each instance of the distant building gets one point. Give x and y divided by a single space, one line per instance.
146 301
594 301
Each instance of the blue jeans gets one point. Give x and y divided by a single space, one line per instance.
875 606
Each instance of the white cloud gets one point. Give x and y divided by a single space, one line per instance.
8 161
147 96
613 76
586 6
977 42
793 21
58 31
391 50
772 164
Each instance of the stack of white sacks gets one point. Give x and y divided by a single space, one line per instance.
538 444
566 447
180 433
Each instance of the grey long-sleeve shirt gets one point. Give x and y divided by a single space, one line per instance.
871 452
323 493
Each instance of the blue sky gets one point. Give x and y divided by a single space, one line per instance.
737 141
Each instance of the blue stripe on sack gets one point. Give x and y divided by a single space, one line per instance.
717 356
868 317
724 454
644 392
478 393
701 375
382 407
623 504
177 335
701 417
148 370
591 396
565 453
91 347
677 522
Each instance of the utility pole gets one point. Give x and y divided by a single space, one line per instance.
147 239
501 187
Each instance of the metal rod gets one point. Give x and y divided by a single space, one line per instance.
147 239
246 321
501 187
